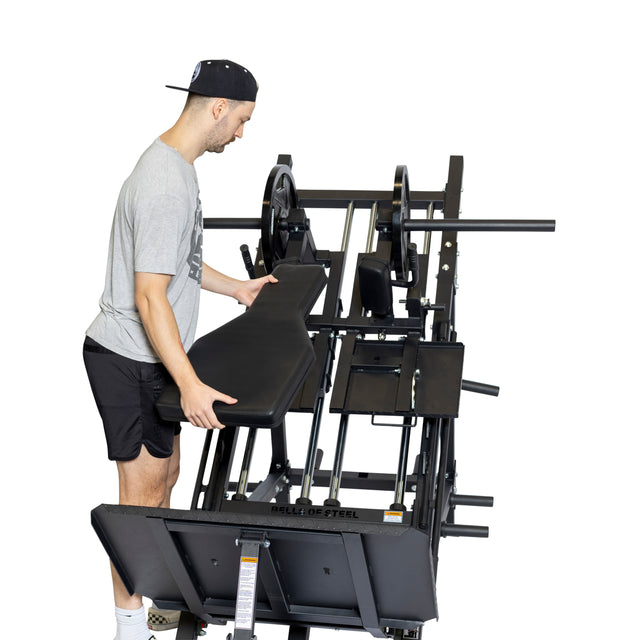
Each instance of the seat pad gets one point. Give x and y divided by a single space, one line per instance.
261 357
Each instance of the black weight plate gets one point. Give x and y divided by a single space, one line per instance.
400 213
280 197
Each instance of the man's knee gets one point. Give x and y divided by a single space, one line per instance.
143 481
174 464
142 493
174 473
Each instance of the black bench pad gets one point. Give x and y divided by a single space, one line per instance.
261 357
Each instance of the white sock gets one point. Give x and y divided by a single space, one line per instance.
132 624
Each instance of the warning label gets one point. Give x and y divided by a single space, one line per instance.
393 516
246 592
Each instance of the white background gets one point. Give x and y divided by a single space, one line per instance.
541 100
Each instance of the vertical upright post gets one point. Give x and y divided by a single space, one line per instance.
346 235
307 477
241 493
220 469
423 501
372 227
427 234
298 633
279 458
443 321
199 487
442 472
336 472
401 476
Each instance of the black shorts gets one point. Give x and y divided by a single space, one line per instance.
125 391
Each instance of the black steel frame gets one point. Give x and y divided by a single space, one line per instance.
260 514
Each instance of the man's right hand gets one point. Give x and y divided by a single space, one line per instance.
196 398
197 401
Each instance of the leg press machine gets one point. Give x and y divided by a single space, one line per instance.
264 551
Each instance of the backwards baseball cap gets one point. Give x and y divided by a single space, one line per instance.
222 79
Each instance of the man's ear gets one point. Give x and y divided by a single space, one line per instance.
219 107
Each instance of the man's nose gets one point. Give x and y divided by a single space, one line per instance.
239 131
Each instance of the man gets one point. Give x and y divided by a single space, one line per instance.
149 307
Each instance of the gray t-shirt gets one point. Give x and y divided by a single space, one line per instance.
157 228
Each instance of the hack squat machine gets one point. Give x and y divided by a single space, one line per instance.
255 551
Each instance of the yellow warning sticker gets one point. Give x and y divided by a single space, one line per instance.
245 602
393 516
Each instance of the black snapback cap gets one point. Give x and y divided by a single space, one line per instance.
222 79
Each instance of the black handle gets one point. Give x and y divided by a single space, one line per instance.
480 387
248 263
463 531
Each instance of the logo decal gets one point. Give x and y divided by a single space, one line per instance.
196 73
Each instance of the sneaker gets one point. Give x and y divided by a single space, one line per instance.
162 619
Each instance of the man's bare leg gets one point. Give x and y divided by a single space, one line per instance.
174 471
162 619
143 482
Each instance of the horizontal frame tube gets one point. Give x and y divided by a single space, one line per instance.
479 225
463 531
480 387
457 499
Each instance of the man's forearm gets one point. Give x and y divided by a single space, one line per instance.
244 291
217 282
162 330
196 398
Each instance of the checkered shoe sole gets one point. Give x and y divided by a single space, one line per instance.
161 620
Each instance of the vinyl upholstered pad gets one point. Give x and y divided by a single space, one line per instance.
261 357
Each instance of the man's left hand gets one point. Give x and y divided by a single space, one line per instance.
248 290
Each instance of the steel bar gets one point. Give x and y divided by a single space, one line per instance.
442 467
246 463
443 320
336 473
479 225
457 499
307 479
365 481
332 199
199 488
464 531
357 560
220 469
170 550
480 387
298 633
372 227
232 223
398 495
427 236
273 486
347 227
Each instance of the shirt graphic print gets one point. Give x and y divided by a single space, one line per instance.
195 255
